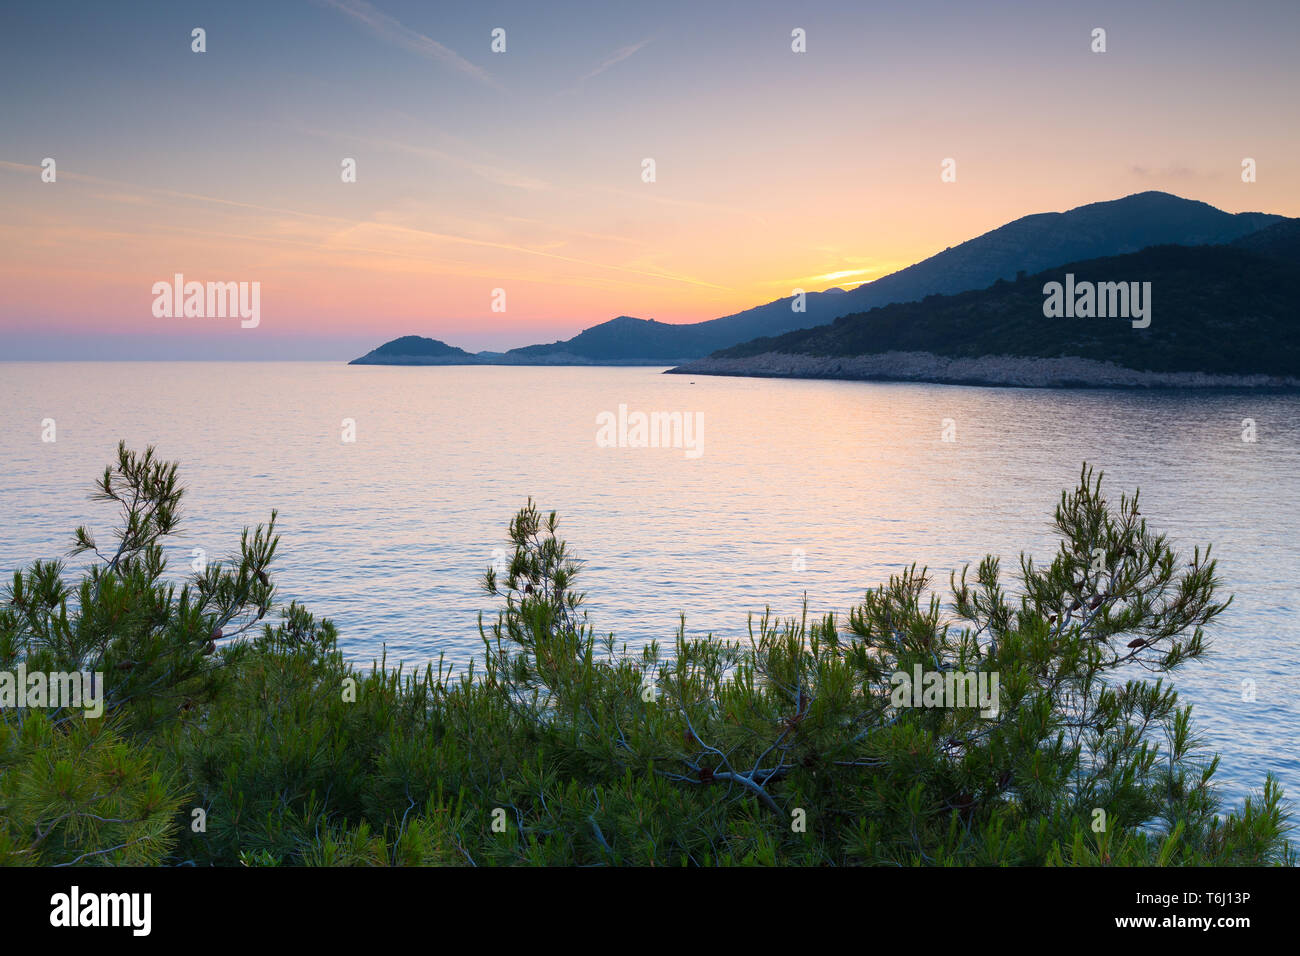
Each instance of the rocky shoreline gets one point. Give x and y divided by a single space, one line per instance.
995 370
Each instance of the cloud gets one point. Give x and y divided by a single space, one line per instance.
396 33
1172 171
496 173
648 196
343 225
618 56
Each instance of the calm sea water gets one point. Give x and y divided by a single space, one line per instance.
801 488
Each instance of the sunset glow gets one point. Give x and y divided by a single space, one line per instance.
522 170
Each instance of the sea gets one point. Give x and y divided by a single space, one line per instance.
395 486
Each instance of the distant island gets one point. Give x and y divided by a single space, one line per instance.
603 344
973 314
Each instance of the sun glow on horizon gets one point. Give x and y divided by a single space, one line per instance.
526 172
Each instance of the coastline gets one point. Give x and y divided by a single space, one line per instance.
1005 371
556 359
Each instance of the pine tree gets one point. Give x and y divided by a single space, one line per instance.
1027 722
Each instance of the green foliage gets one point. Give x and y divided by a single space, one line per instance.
566 748
74 790
165 652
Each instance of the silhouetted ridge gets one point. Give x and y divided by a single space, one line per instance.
1029 244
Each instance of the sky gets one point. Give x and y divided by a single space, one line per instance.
523 170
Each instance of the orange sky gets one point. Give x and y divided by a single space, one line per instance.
522 171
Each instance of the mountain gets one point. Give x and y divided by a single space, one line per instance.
628 339
1029 244
1219 314
1048 239
1279 241
416 350
601 345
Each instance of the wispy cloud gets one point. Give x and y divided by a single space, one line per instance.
492 172
1172 171
618 56
647 196
343 225
393 31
